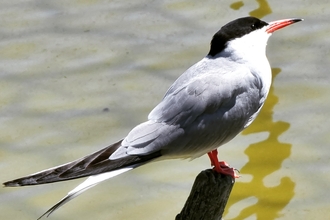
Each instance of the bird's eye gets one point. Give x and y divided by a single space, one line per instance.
256 25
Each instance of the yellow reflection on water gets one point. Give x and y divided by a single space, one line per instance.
265 157
237 5
263 9
260 12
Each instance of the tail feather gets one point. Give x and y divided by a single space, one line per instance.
92 164
87 184
97 165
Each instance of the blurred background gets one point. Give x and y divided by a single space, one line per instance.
76 76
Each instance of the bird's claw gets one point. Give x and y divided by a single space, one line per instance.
225 169
221 166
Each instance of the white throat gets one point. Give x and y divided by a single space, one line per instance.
250 50
251 47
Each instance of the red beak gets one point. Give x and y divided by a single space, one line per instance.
276 25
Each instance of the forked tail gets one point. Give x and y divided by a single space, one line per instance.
97 165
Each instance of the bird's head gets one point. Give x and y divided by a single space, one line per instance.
248 33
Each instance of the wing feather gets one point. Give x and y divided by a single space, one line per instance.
92 164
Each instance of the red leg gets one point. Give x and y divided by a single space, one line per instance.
221 166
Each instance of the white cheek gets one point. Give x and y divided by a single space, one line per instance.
253 44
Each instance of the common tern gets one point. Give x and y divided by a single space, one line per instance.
207 106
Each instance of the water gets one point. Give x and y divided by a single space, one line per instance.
78 75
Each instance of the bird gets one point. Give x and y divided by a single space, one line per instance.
207 106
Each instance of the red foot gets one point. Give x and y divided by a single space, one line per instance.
221 166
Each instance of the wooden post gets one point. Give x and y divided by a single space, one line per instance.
208 197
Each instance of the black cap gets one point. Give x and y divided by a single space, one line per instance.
234 29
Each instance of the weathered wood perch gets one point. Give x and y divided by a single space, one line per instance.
208 197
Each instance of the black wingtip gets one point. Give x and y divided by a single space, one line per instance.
24 181
10 184
72 170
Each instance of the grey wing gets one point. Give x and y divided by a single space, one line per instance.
204 106
201 95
